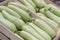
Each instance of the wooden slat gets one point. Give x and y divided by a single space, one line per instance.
2 37
9 34
4 2
58 35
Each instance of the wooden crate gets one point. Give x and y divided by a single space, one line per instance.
6 34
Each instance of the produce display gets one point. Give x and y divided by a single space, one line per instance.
31 19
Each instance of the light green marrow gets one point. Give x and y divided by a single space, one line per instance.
40 3
44 26
40 14
1 15
51 15
32 3
19 5
54 9
24 15
8 24
28 5
13 13
50 22
40 31
27 35
29 29
18 22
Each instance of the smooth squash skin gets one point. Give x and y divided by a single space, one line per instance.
41 14
50 22
20 5
40 31
24 15
18 22
53 17
8 24
32 31
40 3
32 3
11 12
27 35
54 9
27 4
44 26
50 15
1 15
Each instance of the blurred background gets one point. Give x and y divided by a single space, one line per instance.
56 2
